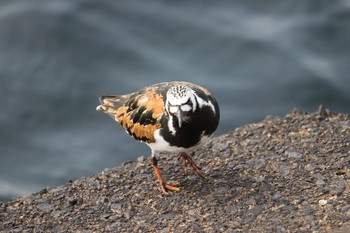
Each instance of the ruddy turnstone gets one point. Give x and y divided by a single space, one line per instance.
169 117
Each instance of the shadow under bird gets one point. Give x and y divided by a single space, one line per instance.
175 117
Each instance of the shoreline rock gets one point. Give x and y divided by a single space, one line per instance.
284 174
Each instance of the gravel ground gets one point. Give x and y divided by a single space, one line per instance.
284 174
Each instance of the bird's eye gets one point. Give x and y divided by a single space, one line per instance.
186 108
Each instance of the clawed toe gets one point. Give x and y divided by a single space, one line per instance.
188 160
168 186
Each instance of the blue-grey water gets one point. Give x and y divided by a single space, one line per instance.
56 56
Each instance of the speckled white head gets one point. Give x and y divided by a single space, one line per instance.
180 100
178 95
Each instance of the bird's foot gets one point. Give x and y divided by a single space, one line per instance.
164 186
169 186
187 160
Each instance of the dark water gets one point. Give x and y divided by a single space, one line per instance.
257 57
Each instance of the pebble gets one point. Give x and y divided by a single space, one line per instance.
140 159
277 195
55 213
293 154
320 182
219 146
322 202
44 207
340 187
309 167
309 140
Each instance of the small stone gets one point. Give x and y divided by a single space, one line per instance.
101 200
250 201
57 190
284 170
293 154
257 210
319 176
129 214
43 191
340 187
127 164
308 211
309 168
345 208
322 202
280 229
140 159
56 213
232 140
101 176
309 140
270 117
309 217
320 182
44 207
222 190
345 218
324 112
297 111
168 215
277 195
233 209
218 147
116 207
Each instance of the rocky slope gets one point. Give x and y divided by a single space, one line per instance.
284 174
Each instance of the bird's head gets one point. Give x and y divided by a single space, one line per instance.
180 102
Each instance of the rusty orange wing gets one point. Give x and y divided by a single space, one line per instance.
138 113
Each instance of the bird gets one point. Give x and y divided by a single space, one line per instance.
170 117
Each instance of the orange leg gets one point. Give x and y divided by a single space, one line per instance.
163 185
186 159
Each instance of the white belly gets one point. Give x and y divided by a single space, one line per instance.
160 145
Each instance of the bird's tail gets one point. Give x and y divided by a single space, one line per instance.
111 103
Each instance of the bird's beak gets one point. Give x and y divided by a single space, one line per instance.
179 117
